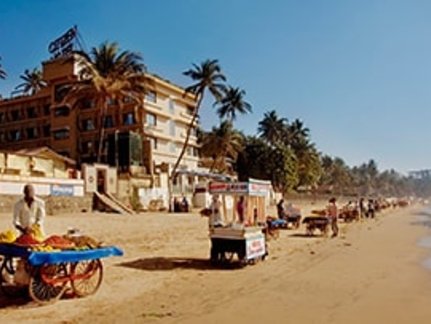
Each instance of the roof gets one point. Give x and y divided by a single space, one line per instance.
45 152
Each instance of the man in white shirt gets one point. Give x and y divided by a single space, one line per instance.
28 211
215 219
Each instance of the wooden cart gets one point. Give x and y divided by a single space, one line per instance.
50 274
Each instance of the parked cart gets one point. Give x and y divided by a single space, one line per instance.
47 275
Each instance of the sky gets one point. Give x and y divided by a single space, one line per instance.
358 73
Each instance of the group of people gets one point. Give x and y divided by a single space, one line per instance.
182 206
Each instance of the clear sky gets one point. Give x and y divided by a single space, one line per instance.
357 72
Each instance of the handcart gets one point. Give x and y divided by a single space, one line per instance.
47 275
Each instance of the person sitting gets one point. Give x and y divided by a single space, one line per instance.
185 205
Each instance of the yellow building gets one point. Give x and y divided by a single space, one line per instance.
43 120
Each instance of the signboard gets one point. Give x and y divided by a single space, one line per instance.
61 190
63 45
255 247
228 187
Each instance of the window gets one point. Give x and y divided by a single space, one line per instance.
31 112
195 152
46 110
61 111
15 135
15 115
32 133
60 92
151 119
112 102
47 130
189 151
171 106
171 128
61 134
2 117
151 96
87 103
129 118
109 121
153 142
128 99
172 147
2 137
88 124
87 147
64 153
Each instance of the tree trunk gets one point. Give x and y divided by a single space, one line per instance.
186 142
102 131
180 157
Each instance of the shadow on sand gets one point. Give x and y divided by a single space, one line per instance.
6 302
173 263
301 235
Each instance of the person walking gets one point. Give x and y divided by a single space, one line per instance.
333 216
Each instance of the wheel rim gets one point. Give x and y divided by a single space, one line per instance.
87 277
44 293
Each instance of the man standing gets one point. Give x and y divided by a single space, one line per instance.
215 219
240 209
28 211
333 216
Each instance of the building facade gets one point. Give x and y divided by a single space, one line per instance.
43 120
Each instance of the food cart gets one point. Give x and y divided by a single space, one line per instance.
50 274
246 241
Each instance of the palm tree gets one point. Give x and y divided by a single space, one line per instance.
33 81
2 72
272 128
232 103
208 77
109 74
221 144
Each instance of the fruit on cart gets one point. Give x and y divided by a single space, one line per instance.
84 241
37 233
44 248
27 240
8 236
59 242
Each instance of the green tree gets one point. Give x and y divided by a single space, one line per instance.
33 81
222 144
206 77
272 128
232 103
108 74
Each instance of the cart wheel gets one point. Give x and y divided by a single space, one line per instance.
87 277
48 283
7 273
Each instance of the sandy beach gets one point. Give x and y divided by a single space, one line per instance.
372 273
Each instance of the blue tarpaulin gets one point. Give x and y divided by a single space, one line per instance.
40 258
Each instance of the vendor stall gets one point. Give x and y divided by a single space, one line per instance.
242 238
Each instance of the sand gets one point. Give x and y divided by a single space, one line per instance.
372 273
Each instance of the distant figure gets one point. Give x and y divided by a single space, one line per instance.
362 210
185 205
215 219
333 216
281 210
255 216
371 208
240 209
29 211
177 206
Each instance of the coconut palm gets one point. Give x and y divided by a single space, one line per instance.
2 72
33 81
272 128
207 77
232 103
222 143
107 73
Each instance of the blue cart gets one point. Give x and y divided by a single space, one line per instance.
47 275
